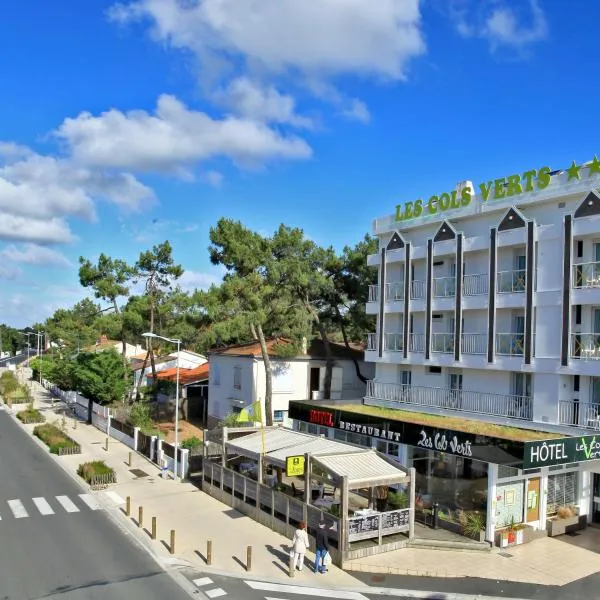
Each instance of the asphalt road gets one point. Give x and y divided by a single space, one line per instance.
17 359
54 545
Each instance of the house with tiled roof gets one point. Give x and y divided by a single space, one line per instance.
103 343
167 363
237 376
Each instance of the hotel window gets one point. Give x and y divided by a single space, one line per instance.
562 491
279 416
237 378
404 377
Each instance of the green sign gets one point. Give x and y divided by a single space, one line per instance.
561 451
497 189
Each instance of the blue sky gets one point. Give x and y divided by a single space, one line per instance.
122 125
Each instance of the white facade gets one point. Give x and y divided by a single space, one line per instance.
187 360
236 381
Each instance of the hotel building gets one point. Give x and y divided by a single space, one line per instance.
487 347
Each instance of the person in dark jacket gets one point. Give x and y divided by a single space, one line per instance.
322 547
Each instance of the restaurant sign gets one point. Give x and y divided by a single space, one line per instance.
294 466
561 451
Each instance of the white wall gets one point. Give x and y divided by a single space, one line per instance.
394 272
476 263
222 396
475 321
547 390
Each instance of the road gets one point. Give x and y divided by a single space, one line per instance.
56 542
17 359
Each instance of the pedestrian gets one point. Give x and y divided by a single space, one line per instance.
322 547
299 545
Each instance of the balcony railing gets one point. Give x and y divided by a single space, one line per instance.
371 341
511 281
586 275
442 342
475 284
580 414
517 407
394 291
417 289
416 342
393 342
585 346
474 343
510 344
444 287
373 293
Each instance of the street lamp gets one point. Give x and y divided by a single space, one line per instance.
178 343
40 337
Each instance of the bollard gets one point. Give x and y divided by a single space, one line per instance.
172 546
435 516
249 558
106 444
153 528
292 572
128 506
130 459
74 423
209 552
141 516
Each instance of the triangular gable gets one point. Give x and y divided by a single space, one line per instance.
396 242
589 207
513 219
445 232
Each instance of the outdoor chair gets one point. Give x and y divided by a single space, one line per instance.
295 492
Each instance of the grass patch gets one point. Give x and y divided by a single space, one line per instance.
57 441
443 422
97 472
31 415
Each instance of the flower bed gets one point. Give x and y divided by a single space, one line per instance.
31 415
97 473
57 441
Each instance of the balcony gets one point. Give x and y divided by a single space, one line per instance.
394 291
474 343
444 287
393 342
511 282
510 344
580 414
416 342
442 342
417 290
371 341
586 275
486 403
373 293
475 284
585 346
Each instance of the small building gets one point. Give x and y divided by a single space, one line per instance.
194 390
238 377
103 343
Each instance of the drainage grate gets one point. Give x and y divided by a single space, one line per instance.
138 473
505 554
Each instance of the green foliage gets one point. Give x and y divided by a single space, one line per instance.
140 415
8 383
230 420
473 522
11 339
191 443
30 415
53 437
397 499
89 471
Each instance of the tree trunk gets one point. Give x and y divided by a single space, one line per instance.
144 364
268 416
123 347
340 318
151 350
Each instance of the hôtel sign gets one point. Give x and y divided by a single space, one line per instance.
496 189
561 451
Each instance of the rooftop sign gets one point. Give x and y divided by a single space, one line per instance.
496 189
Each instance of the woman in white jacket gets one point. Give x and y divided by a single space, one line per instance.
299 545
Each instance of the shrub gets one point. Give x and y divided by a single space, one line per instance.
474 522
30 415
191 443
565 512
397 500
97 469
54 438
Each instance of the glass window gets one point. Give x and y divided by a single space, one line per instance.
279 415
562 491
237 378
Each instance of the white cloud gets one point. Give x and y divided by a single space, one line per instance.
358 111
39 231
8 271
32 254
193 280
214 178
173 136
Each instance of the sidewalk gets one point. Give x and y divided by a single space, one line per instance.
196 518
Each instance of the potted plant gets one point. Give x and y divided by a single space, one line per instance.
511 534
566 519
473 525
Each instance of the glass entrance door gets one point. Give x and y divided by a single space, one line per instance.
596 509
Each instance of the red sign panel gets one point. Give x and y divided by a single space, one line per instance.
321 417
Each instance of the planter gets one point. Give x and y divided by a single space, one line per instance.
29 417
509 537
556 526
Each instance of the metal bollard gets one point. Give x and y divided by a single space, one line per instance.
130 459
74 423
249 558
141 516
435 516
209 552
106 444
172 545
153 528
128 506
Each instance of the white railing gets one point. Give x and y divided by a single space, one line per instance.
394 291
373 293
474 343
518 407
393 342
371 341
417 289
510 344
585 346
580 414
444 287
511 281
442 342
586 275
416 342
475 284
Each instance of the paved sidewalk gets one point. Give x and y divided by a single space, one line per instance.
196 518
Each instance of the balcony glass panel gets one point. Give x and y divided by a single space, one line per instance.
511 281
475 285
371 341
474 343
510 344
417 342
442 342
444 287
586 275
393 342
417 289
373 293
394 291
585 346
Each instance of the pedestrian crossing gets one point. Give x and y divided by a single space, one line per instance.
207 586
41 506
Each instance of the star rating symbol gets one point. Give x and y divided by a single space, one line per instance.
594 166
573 171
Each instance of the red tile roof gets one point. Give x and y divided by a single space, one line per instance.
185 375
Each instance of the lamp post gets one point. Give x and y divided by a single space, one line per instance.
178 343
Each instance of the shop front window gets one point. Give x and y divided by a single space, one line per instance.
562 491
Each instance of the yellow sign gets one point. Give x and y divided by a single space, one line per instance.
294 466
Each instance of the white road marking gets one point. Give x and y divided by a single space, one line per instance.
422 595
67 504
202 581
115 497
43 506
306 591
90 501
215 593
17 509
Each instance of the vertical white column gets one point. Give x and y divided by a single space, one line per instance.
491 503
